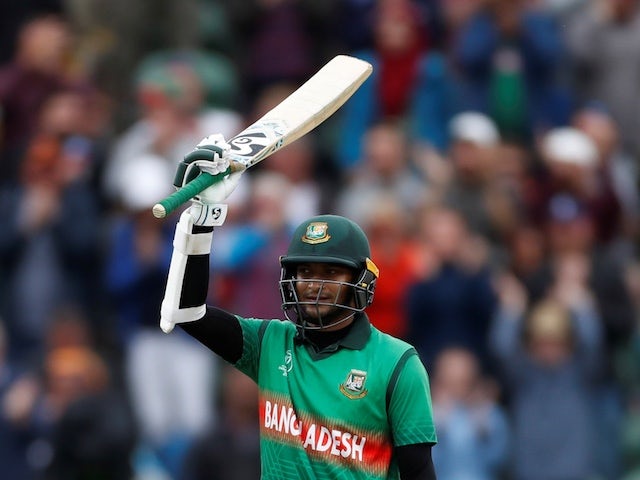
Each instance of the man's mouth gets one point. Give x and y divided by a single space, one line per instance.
315 299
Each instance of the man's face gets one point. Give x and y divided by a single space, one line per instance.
319 289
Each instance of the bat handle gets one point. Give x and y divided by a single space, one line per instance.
194 187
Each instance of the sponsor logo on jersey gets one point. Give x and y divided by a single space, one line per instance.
353 386
314 437
317 232
331 439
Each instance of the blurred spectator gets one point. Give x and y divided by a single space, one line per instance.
408 84
113 37
453 304
583 214
507 59
474 141
50 224
69 423
488 180
170 378
455 15
473 430
571 165
485 200
174 118
139 250
39 68
627 362
267 28
527 253
570 231
216 73
386 169
397 255
92 434
244 260
617 171
550 359
229 450
604 41
355 20
16 15
16 391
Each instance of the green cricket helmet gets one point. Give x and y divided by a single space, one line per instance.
330 239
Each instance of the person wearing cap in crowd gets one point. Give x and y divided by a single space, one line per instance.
572 165
474 190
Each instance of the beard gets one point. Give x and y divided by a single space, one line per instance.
322 315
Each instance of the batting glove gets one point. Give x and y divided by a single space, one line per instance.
210 156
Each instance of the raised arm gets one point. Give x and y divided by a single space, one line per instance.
185 296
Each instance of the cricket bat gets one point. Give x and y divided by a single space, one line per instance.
302 111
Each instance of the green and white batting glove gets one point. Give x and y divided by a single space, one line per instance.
208 208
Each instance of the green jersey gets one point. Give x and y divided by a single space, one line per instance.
336 413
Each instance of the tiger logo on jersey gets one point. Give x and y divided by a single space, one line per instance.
353 386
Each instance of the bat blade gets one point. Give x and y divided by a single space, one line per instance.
302 111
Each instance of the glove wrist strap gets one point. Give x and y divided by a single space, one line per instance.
208 215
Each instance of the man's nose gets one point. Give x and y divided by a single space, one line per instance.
314 284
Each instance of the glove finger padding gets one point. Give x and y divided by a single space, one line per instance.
197 161
210 155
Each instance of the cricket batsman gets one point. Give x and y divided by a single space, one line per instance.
338 398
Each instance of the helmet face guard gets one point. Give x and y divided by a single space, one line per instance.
327 239
359 295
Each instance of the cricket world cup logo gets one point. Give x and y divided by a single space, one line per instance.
287 366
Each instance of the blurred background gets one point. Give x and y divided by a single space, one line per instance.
492 159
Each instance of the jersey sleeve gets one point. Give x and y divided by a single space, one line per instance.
252 332
410 409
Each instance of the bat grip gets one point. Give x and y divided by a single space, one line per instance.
203 181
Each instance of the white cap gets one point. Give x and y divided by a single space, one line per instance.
474 127
144 181
569 145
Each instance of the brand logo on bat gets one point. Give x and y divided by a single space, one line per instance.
256 138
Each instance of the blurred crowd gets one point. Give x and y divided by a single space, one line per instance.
491 158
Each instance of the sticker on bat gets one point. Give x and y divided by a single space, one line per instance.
256 138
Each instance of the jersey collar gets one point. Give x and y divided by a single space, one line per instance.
355 339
